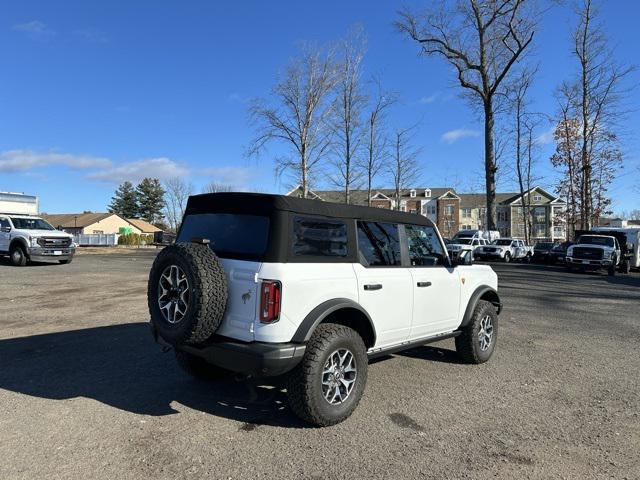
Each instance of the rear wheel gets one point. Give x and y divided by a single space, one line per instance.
327 385
198 368
18 256
478 339
625 266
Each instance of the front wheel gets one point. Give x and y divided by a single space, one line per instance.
327 385
507 257
18 256
478 339
612 268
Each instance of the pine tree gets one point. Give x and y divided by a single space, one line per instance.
125 201
150 200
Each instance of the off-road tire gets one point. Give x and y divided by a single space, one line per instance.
198 368
18 256
304 383
207 293
507 257
467 343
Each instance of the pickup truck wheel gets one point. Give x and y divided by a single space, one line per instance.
327 385
187 293
612 268
198 368
18 256
478 339
507 257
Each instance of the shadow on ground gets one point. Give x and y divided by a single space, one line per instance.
122 367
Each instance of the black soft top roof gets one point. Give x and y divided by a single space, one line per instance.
266 204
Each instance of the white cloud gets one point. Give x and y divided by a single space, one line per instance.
454 135
23 160
35 29
429 99
161 168
547 137
235 176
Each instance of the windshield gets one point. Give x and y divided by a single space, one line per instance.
31 224
502 241
543 245
593 240
229 234
463 241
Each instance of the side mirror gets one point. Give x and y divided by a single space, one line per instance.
6 229
464 258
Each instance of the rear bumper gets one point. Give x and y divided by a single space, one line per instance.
257 359
43 254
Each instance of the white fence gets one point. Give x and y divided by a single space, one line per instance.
96 239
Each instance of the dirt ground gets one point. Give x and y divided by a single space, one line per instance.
85 393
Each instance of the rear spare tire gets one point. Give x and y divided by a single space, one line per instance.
187 293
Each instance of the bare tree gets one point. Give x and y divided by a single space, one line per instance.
376 137
177 192
404 168
349 104
217 187
517 96
300 117
597 104
481 40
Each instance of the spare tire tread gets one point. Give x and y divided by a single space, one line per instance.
208 292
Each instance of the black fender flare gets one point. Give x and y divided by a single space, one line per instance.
479 292
20 241
322 311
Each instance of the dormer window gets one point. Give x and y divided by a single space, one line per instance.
427 193
412 193
537 198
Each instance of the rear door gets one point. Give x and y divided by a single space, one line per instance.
384 285
5 236
436 285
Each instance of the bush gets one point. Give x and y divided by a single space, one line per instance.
135 239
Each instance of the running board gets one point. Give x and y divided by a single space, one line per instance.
413 344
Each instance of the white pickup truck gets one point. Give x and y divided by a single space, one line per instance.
505 249
29 238
600 250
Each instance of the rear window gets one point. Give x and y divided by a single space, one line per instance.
230 234
319 237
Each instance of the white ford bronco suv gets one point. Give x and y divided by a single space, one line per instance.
28 238
266 285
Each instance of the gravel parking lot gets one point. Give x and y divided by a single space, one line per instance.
85 393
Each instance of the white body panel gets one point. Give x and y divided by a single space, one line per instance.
633 237
389 307
400 311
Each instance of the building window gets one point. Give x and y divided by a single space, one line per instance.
502 216
403 208
427 193
558 231
448 210
412 194
466 227
537 198
466 213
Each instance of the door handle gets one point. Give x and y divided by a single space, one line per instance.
424 284
373 286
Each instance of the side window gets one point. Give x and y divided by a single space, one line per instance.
379 244
319 237
4 223
425 248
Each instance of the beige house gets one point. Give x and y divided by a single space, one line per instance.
89 223
142 226
546 212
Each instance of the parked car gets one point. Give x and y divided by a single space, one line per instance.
600 250
468 245
559 252
27 238
542 251
506 249
265 285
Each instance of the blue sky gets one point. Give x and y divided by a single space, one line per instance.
93 93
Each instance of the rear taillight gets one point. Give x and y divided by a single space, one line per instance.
270 295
